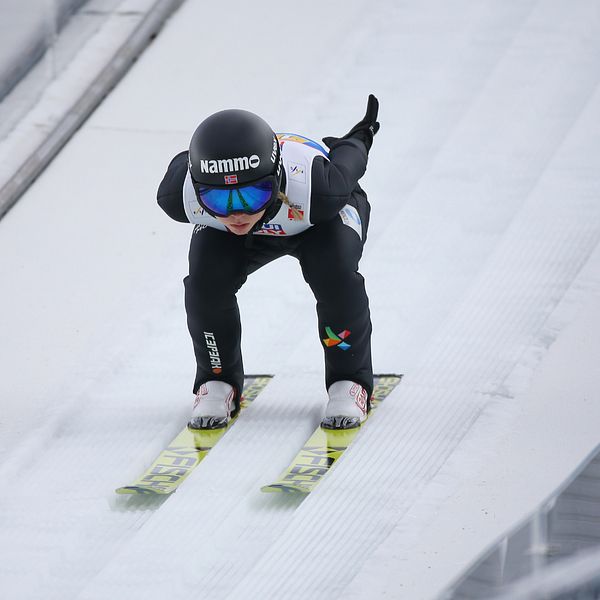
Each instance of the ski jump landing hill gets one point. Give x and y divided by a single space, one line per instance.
482 266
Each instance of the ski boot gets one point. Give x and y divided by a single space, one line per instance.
348 406
214 406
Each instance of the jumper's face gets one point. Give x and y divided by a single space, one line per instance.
240 223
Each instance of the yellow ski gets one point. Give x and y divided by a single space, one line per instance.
187 450
324 448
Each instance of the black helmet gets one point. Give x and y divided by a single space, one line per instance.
231 149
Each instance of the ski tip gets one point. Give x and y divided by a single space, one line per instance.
285 488
127 490
136 490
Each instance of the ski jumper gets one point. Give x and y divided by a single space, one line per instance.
324 226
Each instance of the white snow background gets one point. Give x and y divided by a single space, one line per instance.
482 267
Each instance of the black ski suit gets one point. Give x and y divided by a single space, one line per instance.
328 245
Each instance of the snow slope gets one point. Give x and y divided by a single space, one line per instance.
482 267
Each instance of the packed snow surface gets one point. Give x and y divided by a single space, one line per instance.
482 267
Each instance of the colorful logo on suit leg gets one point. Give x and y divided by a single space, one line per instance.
336 340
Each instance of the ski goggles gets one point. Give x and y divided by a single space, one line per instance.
249 199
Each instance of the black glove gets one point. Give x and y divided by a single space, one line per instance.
365 129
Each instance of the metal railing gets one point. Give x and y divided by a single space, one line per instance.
77 110
553 555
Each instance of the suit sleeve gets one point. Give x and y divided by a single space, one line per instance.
334 180
170 190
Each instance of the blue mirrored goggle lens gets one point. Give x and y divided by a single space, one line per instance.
249 199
